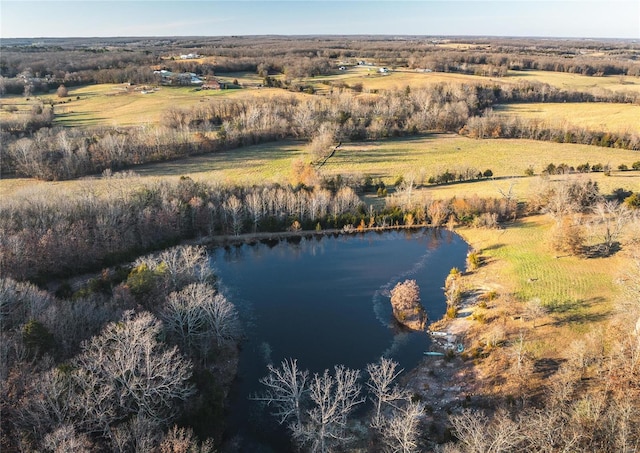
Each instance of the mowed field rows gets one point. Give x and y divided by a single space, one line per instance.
578 293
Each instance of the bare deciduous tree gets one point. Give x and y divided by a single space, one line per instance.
62 91
381 376
182 440
65 439
479 434
197 316
407 309
286 387
401 429
438 211
334 398
535 310
233 209
610 220
125 371
183 265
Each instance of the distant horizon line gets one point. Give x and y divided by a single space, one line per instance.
311 35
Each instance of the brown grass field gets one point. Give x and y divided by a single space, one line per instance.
120 105
620 118
400 78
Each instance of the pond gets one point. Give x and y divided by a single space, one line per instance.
324 300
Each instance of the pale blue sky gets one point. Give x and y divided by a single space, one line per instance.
540 18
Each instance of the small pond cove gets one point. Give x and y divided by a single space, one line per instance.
324 300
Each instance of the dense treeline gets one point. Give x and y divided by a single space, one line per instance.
54 154
492 125
112 367
42 237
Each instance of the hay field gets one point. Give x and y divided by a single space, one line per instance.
620 118
401 77
108 105
577 82
435 153
397 79
421 157
121 105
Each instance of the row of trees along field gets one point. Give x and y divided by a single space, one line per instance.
76 62
54 153
115 366
43 237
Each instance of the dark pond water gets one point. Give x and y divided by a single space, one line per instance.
325 301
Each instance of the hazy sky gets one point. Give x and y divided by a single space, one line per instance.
557 18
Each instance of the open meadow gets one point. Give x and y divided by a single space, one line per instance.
414 157
619 118
399 78
121 105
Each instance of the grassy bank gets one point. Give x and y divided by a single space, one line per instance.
579 294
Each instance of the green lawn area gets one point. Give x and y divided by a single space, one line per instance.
579 293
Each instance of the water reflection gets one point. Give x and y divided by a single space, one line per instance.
326 301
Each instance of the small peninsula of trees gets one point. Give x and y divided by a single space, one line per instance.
407 309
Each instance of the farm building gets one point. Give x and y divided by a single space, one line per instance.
212 85
173 78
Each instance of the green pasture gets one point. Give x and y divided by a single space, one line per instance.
577 292
430 155
123 105
259 164
523 187
418 157
618 118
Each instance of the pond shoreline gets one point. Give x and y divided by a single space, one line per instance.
249 238
440 382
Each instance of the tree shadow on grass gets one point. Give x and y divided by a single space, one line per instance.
547 367
601 250
493 247
577 311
